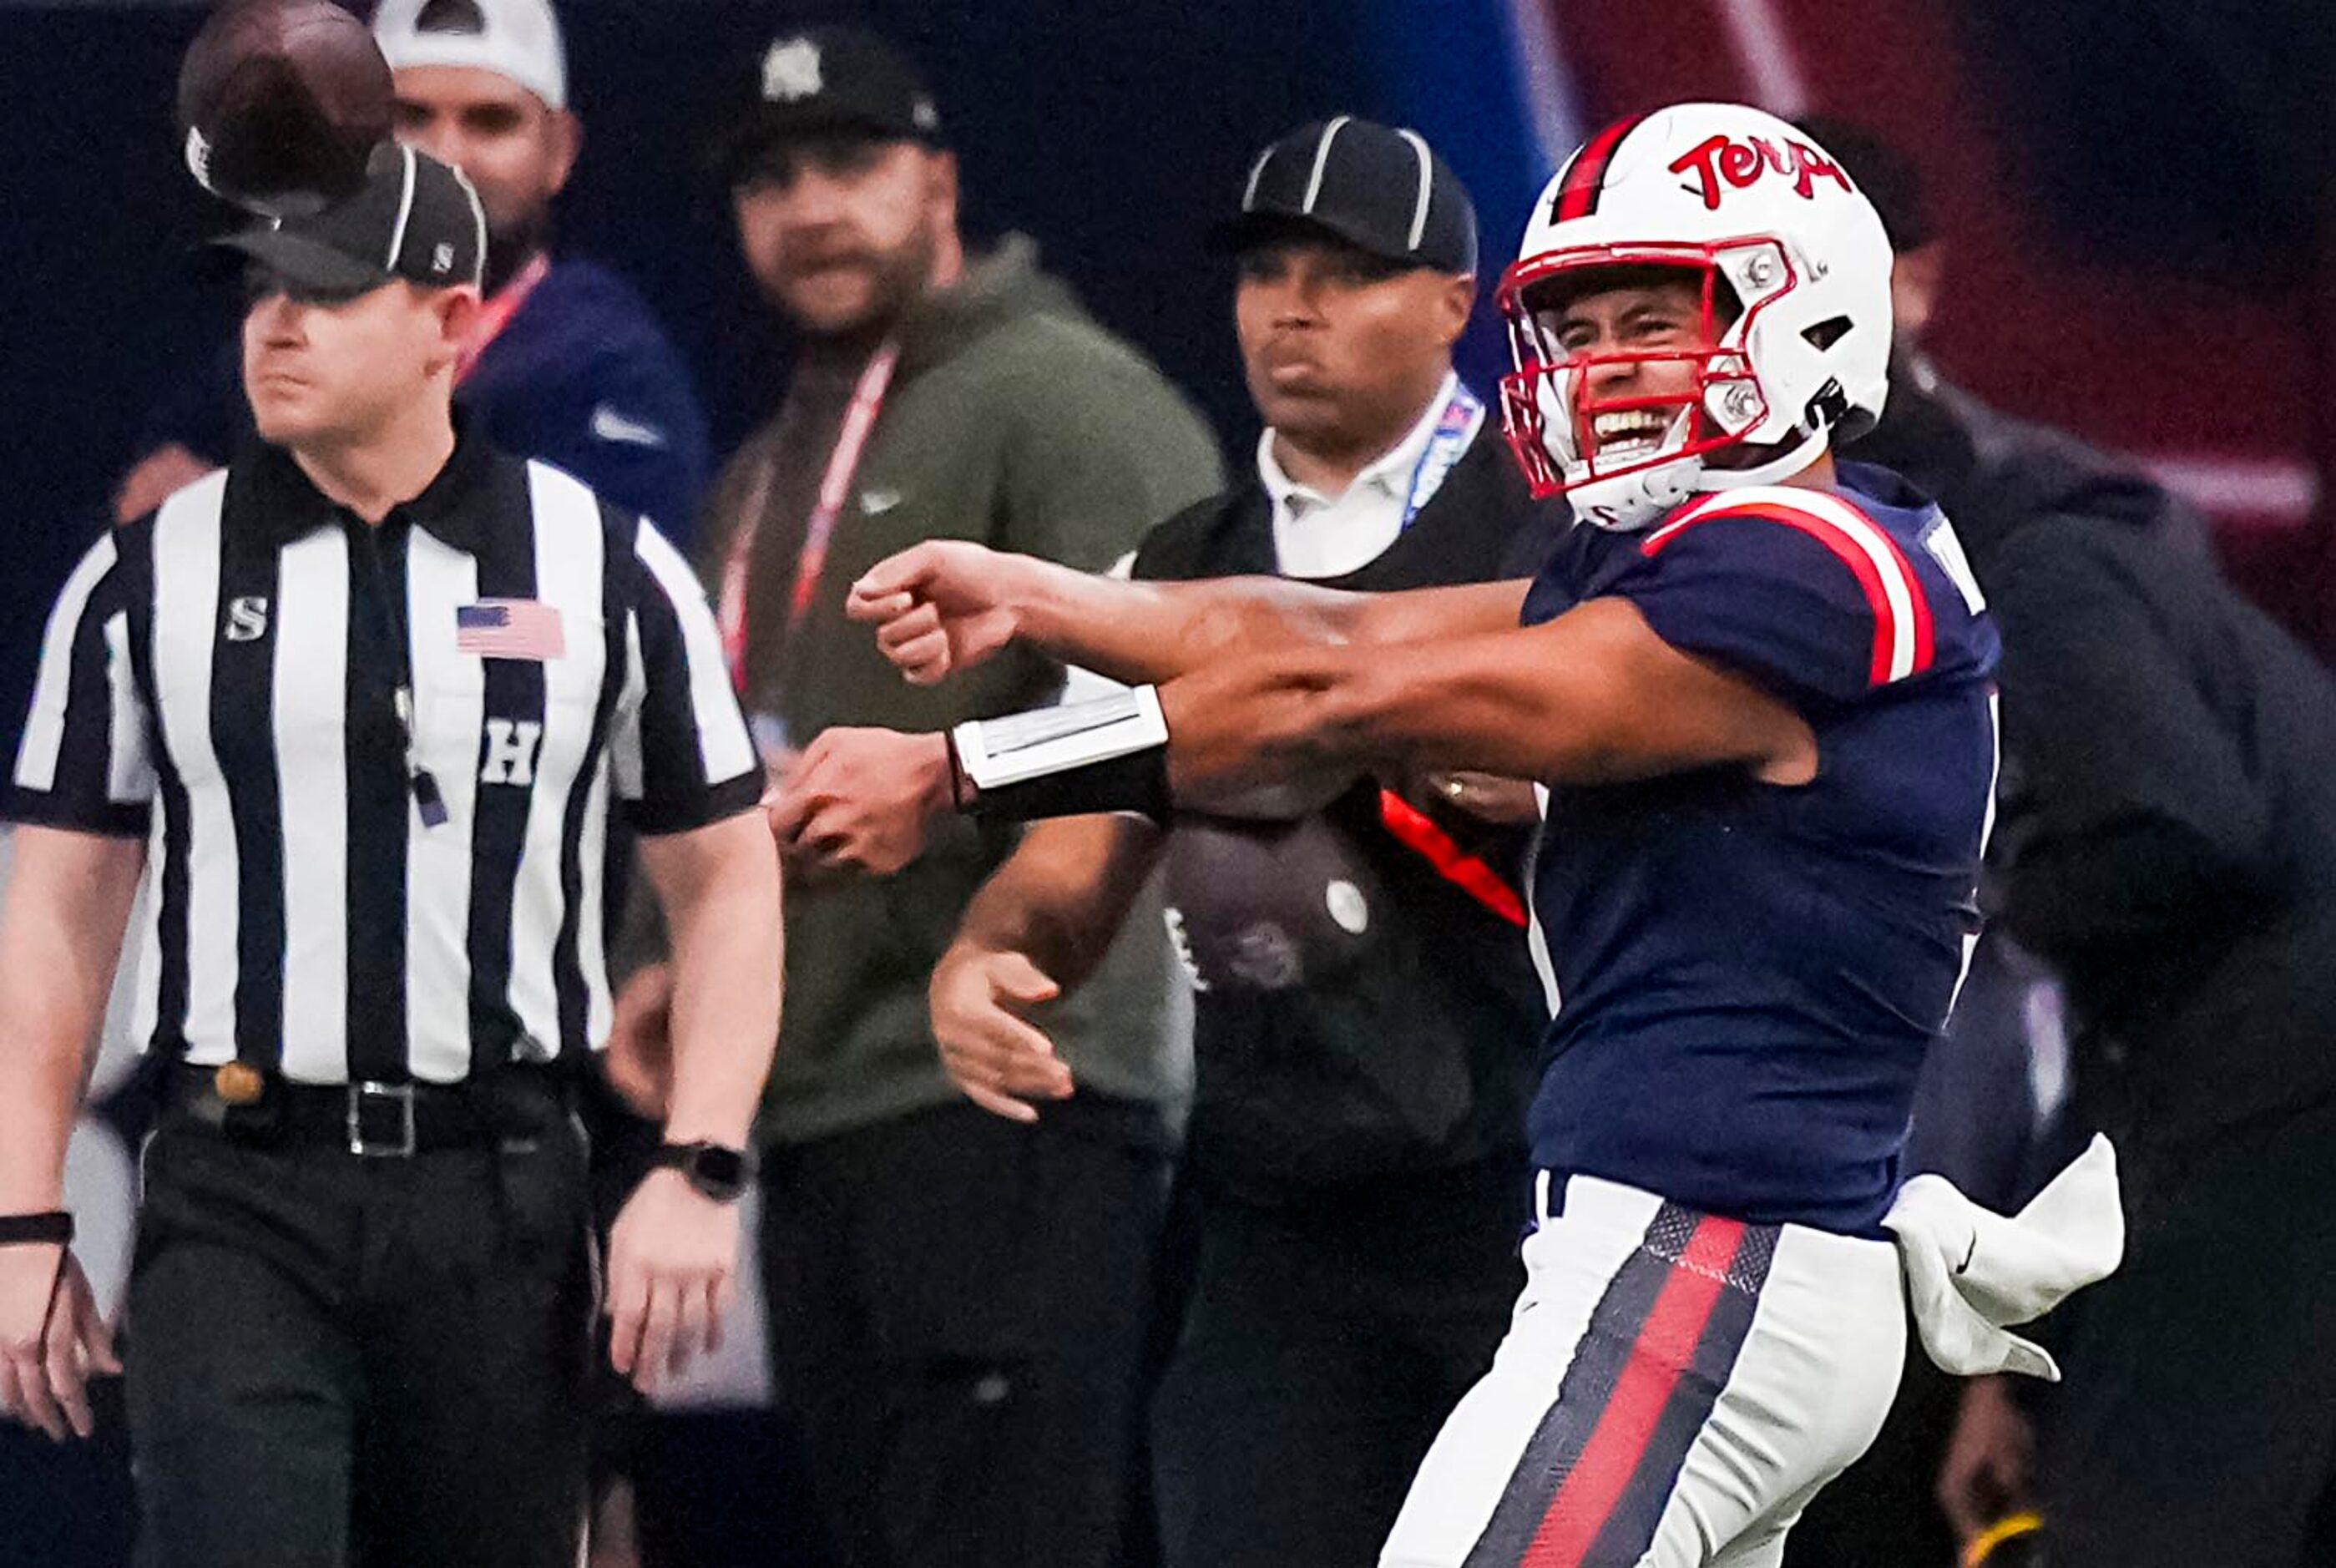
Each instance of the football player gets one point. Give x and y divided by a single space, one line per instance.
1756 683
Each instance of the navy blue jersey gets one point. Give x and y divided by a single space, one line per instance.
584 378
1747 975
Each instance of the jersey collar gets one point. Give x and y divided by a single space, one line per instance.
286 504
1386 476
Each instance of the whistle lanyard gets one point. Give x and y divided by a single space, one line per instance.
835 486
389 605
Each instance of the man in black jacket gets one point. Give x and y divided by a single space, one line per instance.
1355 1167
2172 839
2168 846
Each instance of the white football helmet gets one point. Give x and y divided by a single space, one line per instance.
1794 272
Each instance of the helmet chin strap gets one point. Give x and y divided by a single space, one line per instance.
1627 503
1789 461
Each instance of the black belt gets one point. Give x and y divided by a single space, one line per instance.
369 1120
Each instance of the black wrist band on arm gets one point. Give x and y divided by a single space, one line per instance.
53 1229
1106 754
1137 782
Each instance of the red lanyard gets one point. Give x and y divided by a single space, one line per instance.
1419 834
496 313
859 420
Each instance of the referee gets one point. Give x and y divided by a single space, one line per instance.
384 685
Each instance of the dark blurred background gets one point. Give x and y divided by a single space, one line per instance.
2136 195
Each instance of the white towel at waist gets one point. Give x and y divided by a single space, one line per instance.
1970 1272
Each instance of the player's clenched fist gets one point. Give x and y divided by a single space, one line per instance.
981 999
943 605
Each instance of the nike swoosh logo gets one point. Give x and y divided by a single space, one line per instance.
607 424
1969 1253
876 502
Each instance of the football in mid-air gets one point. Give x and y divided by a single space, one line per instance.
281 102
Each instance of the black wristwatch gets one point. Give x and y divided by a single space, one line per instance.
716 1170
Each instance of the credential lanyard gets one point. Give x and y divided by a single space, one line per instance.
834 485
1456 427
496 313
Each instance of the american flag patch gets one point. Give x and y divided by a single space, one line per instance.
525 628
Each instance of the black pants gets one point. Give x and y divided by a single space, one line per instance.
1321 1352
379 1362
958 1310
2198 1423
69 1504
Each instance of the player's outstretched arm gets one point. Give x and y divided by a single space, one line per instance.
947 605
1594 697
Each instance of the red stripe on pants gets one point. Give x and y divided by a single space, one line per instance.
1664 1348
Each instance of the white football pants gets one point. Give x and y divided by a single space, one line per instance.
1673 1389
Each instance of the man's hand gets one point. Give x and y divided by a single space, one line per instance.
159 475
1990 1458
639 1061
862 800
673 1257
942 606
44 1379
1245 739
981 998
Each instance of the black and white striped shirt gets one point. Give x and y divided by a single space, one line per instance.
238 656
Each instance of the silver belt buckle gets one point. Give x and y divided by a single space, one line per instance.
400 1095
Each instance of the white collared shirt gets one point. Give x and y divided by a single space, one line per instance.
1316 535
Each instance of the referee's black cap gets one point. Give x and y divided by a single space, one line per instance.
415 219
1378 188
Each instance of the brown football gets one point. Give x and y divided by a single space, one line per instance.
280 101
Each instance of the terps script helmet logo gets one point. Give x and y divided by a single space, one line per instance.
1721 163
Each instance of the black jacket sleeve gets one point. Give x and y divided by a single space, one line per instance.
2131 815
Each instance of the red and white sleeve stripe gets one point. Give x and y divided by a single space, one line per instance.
1903 636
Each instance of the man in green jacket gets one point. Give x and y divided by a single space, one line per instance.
957 1304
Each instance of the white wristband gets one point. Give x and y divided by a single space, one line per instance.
1000 752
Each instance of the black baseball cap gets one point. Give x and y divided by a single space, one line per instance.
826 81
1379 189
414 218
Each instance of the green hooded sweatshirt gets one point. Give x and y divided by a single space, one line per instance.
1012 418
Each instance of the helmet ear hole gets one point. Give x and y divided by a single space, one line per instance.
1826 333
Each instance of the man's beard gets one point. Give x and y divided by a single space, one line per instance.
510 245
899 277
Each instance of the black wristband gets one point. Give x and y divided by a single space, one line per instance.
1136 781
53 1229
